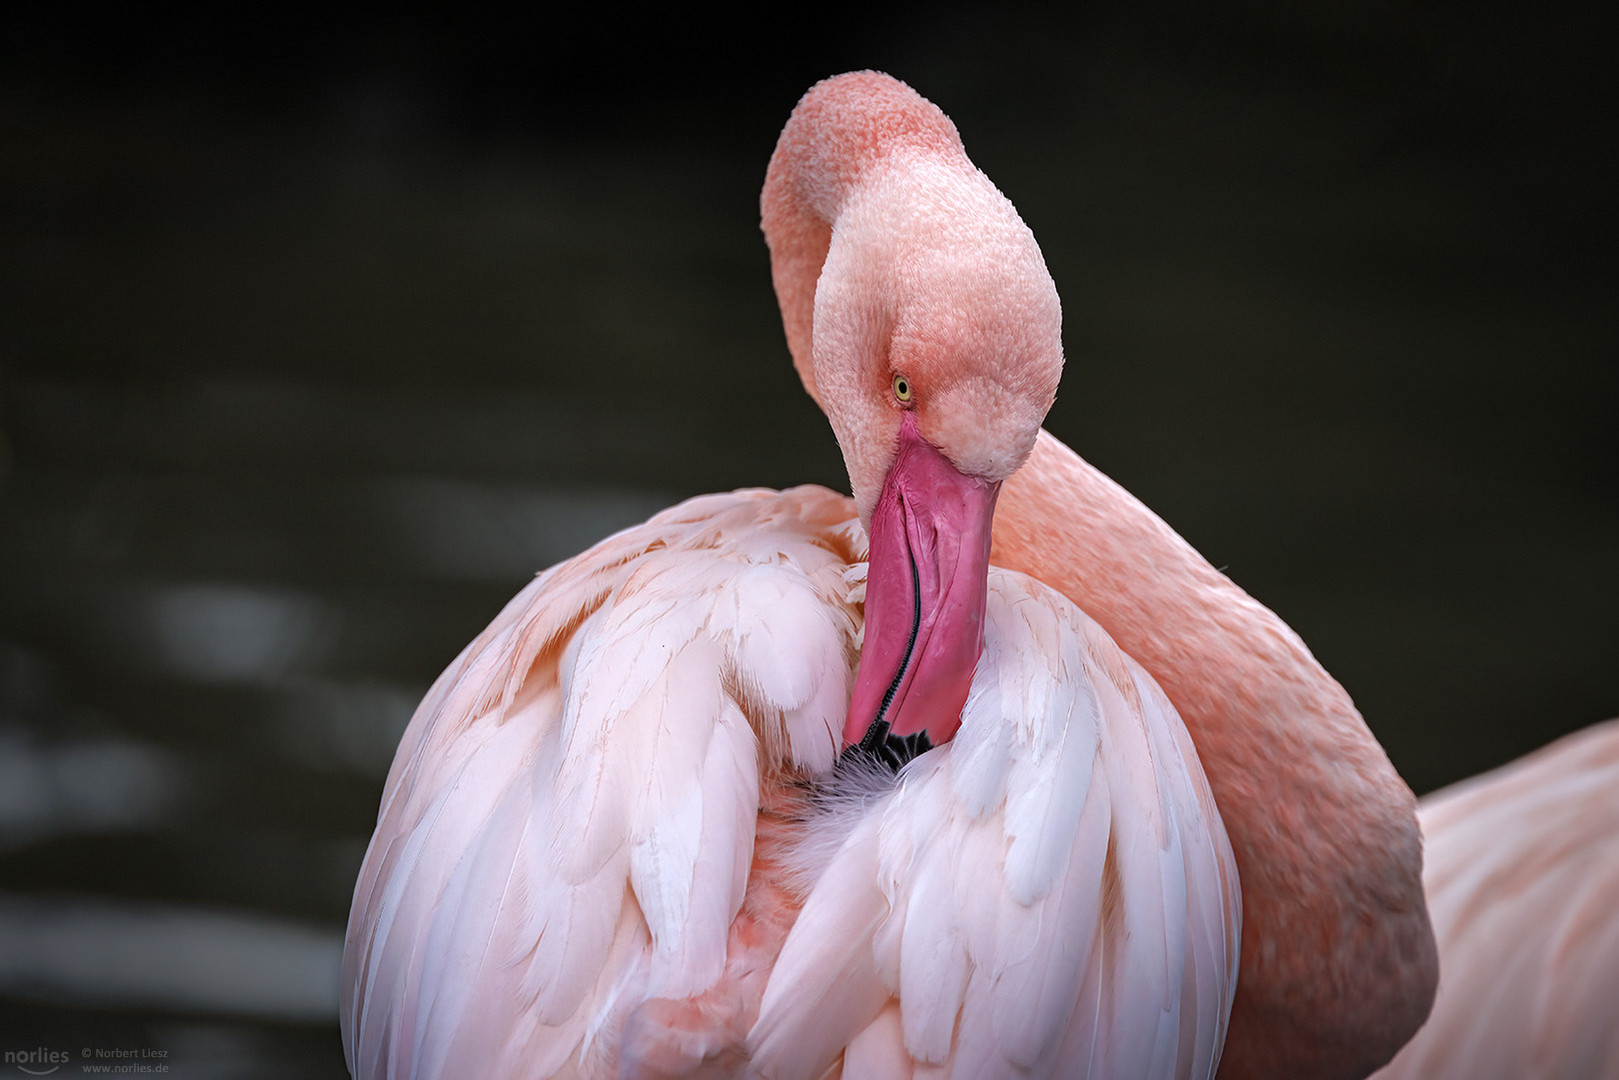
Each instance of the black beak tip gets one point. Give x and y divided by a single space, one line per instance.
882 747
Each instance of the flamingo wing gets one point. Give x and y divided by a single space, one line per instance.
568 826
1522 877
1050 894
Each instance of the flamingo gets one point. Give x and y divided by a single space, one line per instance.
1522 869
790 784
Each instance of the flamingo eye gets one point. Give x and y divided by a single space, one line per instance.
902 389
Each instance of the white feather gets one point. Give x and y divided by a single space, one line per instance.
1043 896
568 835
569 824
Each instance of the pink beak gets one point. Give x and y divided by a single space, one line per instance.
925 589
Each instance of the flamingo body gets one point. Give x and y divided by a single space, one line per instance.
1523 883
598 854
627 832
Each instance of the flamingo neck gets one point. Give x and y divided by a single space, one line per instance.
1338 961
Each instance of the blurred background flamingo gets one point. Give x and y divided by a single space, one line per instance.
316 339
1521 876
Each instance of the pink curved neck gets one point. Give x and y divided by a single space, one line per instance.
1338 962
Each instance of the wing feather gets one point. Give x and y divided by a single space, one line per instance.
1050 894
569 823
828 968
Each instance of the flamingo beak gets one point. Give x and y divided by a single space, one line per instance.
926 582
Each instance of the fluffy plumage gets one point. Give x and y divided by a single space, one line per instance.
565 858
1049 894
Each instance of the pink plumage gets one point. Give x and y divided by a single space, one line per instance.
598 854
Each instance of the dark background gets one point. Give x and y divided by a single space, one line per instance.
319 335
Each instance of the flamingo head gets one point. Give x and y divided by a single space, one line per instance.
934 345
